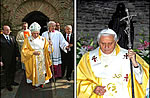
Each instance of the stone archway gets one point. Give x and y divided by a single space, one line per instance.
39 17
30 6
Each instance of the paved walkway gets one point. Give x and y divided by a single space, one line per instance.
64 89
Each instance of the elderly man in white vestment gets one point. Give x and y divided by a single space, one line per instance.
35 55
105 72
21 35
58 42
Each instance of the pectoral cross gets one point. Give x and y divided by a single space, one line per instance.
94 58
125 56
126 77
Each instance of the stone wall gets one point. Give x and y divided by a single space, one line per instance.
94 15
13 11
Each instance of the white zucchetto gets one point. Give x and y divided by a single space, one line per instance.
108 31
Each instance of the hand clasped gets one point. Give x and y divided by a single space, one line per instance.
100 90
132 56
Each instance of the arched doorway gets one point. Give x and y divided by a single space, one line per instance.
37 16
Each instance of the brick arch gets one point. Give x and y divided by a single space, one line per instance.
30 6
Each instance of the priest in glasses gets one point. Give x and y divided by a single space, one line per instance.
105 72
35 55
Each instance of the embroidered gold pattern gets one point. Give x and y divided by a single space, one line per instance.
40 67
111 89
106 66
117 76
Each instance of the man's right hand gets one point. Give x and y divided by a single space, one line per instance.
36 53
100 90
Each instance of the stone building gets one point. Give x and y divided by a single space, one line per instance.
91 17
94 15
14 12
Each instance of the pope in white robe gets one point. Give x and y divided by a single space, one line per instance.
105 72
58 42
35 55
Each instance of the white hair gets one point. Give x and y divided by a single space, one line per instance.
68 26
107 32
50 22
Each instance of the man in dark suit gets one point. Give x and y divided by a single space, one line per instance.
58 27
68 58
9 52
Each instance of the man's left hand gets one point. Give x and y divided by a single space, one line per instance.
132 56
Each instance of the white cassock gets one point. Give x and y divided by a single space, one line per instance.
58 41
114 71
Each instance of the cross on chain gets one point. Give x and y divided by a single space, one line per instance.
126 77
94 58
125 56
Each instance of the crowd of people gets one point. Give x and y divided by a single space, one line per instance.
41 56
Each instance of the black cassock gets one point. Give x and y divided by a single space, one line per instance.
119 26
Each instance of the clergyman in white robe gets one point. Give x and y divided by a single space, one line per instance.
58 42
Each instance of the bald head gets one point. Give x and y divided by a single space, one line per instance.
6 30
68 29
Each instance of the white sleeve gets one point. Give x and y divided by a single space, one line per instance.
138 73
45 34
20 38
63 42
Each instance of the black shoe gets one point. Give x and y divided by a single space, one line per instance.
69 78
15 84
9 88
